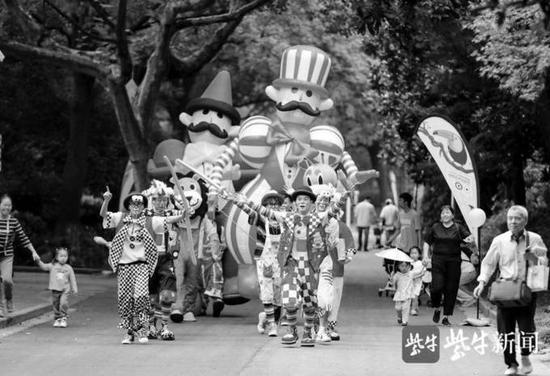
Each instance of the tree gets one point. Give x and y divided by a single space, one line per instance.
112 64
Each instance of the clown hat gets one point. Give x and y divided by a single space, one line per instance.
217 97
272 195
304 191
304 66
134 197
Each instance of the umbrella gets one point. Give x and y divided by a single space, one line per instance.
394 254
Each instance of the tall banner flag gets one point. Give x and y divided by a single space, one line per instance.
450 151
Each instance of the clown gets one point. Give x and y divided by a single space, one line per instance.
133 256
332 268
268 270
303 246
162 285
283 148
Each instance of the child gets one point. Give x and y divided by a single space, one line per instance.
403 282
417 273
62 283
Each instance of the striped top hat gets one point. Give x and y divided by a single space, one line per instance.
304 66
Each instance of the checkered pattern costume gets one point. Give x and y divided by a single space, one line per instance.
133 235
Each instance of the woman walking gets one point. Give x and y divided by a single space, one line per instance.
11 233
445 238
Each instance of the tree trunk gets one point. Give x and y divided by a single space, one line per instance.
136 144
74 172
517 182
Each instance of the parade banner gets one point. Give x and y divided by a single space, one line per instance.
450 151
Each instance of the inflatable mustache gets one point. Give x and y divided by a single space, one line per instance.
205 126
295 105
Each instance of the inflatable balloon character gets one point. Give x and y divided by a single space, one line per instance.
283 148
211 121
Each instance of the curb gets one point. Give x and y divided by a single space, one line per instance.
24 314
36 269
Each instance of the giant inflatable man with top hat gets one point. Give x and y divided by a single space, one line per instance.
283 148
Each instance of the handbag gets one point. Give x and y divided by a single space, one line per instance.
511 293
537 276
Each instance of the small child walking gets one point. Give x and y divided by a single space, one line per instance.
417 272
403 283
62 283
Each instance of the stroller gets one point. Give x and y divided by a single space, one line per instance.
389 267
391 256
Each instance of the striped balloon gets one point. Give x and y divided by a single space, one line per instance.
253 147
330 143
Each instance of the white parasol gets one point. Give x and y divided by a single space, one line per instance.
394 254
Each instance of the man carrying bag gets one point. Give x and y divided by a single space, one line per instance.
512 252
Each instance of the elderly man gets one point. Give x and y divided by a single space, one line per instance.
510 252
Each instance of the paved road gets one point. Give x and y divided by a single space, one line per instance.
371 342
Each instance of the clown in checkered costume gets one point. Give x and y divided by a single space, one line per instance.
133 256
301 251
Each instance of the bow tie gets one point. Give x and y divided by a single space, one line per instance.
517 238
137 221
278 134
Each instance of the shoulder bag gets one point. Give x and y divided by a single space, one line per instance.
514 292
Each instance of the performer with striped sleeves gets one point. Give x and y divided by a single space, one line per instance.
268 235
10 232
133 256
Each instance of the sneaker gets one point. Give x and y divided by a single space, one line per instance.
128 337
404 324
176 315
437 315
526 366
9 306
414 312
272 329
332 333
291 336
189 317
217 307
399 321
322 337
63 322
446 321
56 323
307 338
153 332
166 335
142 335
512 370
261 322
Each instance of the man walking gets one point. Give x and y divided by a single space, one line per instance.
365 214
511 252
389 216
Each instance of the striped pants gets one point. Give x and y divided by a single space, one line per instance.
133 295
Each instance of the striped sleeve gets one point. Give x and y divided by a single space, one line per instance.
20 236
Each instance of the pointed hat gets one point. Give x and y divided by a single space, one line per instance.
217 97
